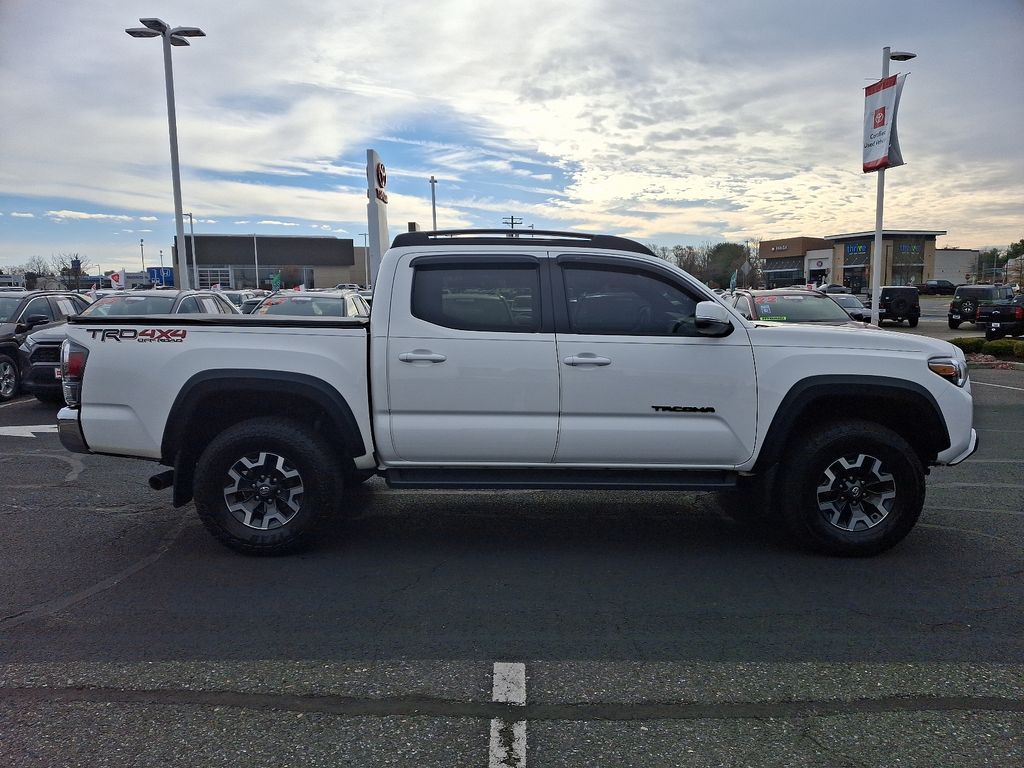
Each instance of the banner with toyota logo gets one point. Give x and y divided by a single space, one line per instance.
881 145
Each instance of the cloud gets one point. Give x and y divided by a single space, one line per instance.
82 216
148 218
274 223
21 215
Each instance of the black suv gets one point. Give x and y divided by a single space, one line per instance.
21 312
964 306
899 303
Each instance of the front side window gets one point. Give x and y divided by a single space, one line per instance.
621 301
489 298
38 306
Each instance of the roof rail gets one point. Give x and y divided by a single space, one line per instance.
532 236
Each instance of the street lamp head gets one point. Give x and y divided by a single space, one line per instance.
902 56
159 25
188 32
175 40
142 32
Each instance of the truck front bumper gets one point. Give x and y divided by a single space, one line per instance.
69 429
971 448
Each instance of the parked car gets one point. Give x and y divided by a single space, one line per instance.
967 298
1002 318
898 303
834 288
20 313
250 304
654 384
367 294
238 297
39 355
325 303
347 286
854 307
791 305
937 288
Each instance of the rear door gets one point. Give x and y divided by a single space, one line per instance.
471 369
639 385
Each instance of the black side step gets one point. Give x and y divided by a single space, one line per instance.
471 478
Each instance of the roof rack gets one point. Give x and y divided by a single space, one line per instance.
533 236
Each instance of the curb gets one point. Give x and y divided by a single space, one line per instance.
1003 364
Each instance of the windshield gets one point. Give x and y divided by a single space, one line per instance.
8 306
234 298
799 309
303 306
130 305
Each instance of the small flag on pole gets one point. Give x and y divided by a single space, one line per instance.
732 281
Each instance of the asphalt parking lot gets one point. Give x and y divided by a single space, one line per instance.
596 629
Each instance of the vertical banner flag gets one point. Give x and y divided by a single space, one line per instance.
881 145
376 212
118 280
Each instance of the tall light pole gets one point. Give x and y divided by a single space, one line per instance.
433 201
142 250
195 260
171 36
876 256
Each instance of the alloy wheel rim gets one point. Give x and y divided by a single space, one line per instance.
7 379
856 493
263 491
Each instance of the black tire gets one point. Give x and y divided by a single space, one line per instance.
991 335
954 324
303 485
828 517
968 308
10 378
358 477
912 322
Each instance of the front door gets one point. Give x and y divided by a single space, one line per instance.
471 370
640 386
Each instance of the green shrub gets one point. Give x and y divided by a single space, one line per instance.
968 345
1018 349
999 348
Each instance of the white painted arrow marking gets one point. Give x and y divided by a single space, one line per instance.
26 431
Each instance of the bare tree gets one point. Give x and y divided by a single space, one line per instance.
60 265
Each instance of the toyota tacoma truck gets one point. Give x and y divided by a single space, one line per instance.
548 360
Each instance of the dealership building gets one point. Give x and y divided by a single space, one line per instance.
253 261
909 257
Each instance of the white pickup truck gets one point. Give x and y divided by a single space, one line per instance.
547 360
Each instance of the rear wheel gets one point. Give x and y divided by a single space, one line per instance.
264 485
10 378
854 488
954 324
912 322
991 335
50 396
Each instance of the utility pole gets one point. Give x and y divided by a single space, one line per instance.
510 222
433 201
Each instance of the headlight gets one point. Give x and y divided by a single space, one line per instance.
952 370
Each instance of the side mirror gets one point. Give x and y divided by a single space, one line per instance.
33 320
712 319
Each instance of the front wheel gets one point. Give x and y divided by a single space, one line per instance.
853 488
10 378
912 322
263 486
954 324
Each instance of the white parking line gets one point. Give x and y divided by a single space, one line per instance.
16 402
1000 386
508 739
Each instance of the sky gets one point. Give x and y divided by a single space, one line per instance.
668 121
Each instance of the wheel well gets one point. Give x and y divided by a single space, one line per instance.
207 407
913 416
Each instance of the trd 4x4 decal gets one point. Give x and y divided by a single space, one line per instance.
132 334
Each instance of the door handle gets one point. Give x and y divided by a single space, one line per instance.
586 358
421 356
